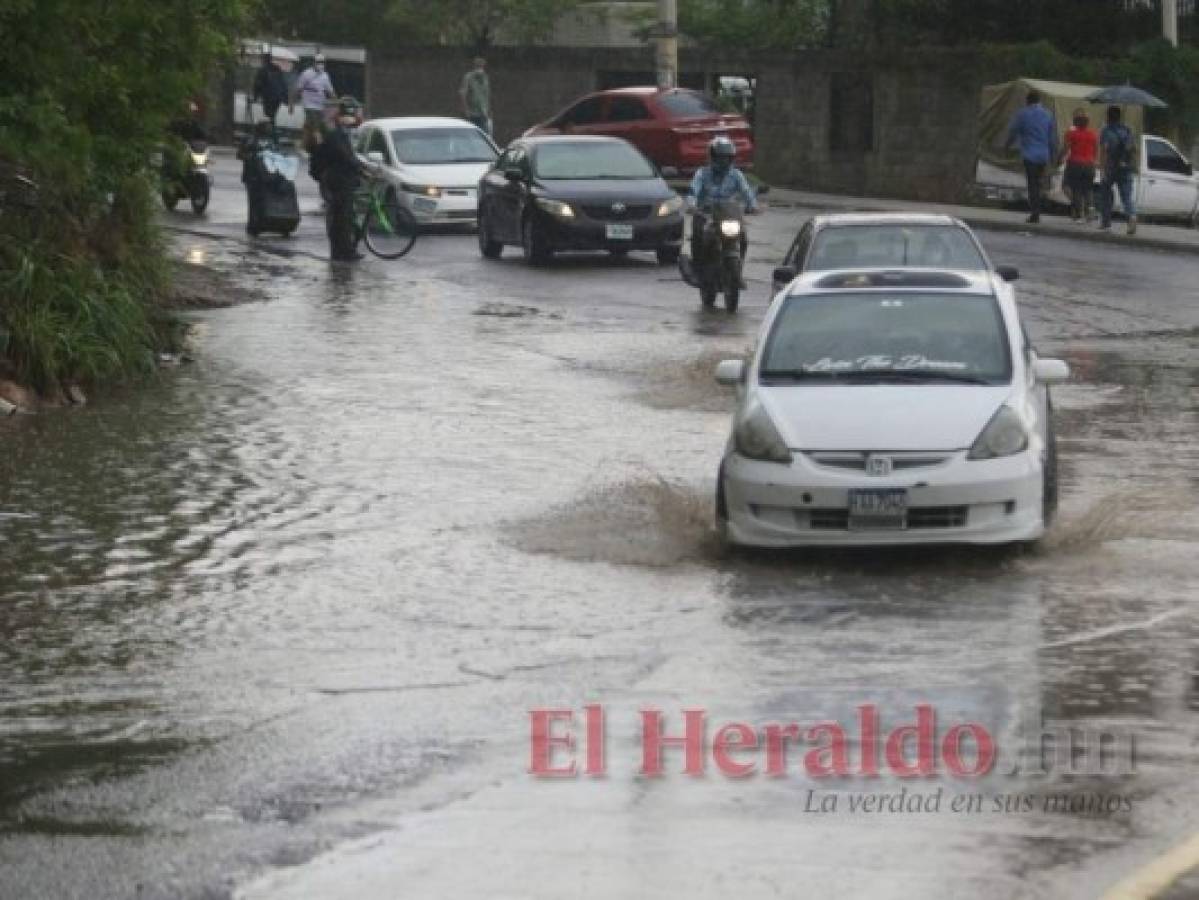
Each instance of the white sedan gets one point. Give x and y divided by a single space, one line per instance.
885 407
432 164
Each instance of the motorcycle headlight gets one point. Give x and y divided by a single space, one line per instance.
671 206
200 159
756 436
556 208
425 190
1005 435
730 228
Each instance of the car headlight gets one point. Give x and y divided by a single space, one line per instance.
425 190
730 228
1005 435
756 436
671 206
556 208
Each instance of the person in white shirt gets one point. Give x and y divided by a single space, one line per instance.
314 87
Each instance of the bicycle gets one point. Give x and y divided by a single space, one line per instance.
387 227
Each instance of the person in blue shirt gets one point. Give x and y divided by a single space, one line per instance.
1117 163
1034 132
719 180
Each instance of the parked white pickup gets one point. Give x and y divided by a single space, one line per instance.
1165 185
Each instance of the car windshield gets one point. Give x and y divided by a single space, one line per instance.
442 146
585 159
888 336
889 246
688 104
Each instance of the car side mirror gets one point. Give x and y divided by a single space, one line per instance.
513 174
784 275
1007 273
376 157
730 372
1050 371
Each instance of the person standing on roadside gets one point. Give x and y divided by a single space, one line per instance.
314 87
340 172
1082 146
1034 132
476 95
1117 162
270 87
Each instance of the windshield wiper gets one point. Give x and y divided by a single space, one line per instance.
798 375
916 375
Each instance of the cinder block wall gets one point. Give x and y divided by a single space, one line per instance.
923 113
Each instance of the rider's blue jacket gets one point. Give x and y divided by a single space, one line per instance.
707 187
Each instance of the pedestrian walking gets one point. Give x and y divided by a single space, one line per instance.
340 173
1034 132
314 87
1117 162
476 95
270 88
1080 152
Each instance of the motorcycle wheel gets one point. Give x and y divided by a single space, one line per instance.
199 197
732 297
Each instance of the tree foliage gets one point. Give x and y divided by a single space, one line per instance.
755 24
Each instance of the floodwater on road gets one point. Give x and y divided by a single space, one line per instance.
300 595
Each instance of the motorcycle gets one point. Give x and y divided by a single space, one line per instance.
717 268
192 181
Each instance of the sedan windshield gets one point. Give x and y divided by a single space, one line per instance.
442 146
889 246
888 337
586 159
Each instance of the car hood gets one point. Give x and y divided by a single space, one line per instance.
641 190
882 417
455 175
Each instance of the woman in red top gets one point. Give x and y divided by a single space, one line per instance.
1079 150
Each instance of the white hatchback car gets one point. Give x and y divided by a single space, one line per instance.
885 407
433 164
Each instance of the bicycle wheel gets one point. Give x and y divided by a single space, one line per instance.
390 230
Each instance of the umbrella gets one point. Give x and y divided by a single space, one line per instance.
1126 95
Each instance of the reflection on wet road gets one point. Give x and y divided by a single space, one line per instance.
305 591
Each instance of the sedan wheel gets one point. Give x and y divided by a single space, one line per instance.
537 253
490 249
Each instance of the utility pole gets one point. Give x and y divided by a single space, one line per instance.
667 39
1170 21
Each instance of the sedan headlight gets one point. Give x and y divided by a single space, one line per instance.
425 190
671 206
556 208
756 436
730 228
1005 435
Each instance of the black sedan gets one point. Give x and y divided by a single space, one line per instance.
546 194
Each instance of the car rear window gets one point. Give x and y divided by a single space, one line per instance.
590 159
688 104
893 246
888 335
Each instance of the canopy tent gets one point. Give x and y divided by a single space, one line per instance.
1001 101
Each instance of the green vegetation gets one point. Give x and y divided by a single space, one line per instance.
756 24
89 90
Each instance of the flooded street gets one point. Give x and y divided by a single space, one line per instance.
272 626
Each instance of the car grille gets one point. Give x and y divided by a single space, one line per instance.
605 213
918 517
900 462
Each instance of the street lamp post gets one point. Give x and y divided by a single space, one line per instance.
1170 21
667 36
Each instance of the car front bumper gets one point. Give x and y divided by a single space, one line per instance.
459 206
584 233
804 504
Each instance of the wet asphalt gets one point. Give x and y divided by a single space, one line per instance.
271 625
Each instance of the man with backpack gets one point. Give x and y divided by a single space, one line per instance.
1117 163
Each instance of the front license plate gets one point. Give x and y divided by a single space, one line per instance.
423 205
620 231
875 508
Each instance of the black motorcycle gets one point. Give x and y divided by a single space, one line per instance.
192 181
718 241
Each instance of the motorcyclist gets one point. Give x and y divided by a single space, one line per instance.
717 181
340 174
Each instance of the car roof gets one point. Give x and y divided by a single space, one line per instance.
834 220
957 281
402 122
